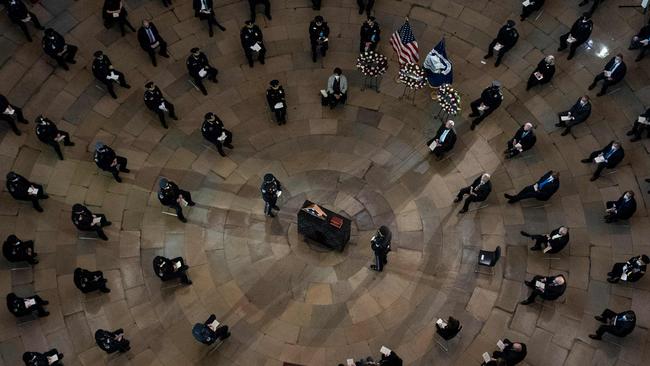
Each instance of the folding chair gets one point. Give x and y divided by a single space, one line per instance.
487 259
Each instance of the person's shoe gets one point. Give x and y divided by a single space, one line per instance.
182 219
108 223
462 211
33 261
528 283
612 280
486 57
593 178
526 302
39 209
594 336
125 170
629 133
360 11
105 290
191 203
473 115
535 248
564 133
43 314
227 335
591 86
165 55
647 180
262 61
638 58
118 179
496 64
174 117
268 16
523 233
271 214
229 146
583 3
635 139
457 199
126 86
559 124
561 48
45 302
600 94
586 161
472 126
600 318
521 18
211 34
610 274
223 29
188 282
276 208
68 144
45 197
373 267
508 196
18 133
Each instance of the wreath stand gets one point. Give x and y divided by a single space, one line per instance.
372 66
412 76
449 101
370 82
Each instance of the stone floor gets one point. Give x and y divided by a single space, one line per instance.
287 300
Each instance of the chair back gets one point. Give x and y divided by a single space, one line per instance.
497 255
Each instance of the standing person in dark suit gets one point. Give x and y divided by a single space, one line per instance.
630 271
23 190
543 73
111 342
337 89
523 140
252 41
318 33
48 133
16 250
214 131
365 5
478 191
380 245
543 190
115 12
642 123
613 73
506 39
512 353
271 189
8 112
488 102
155 101
199 68
22 306
443 141
527 10
620 324
88 281
108 161
267 8
370 35
104 72
20 16
550 243
49 358
168 269
578 113
84 220
548 288
210 331
622 209
579 34
204 10
642 41
171 196
150 40
593 6
54 46
607 157
276 99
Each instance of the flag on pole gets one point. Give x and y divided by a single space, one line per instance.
405 45
437 67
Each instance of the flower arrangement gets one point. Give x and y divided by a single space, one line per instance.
412 75
449 99
371 63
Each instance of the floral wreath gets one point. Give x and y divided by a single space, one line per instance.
371 63
412 75
449 99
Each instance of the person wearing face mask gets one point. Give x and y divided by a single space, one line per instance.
530 7
50 358
641 41
107 160
579 34
105 73
16 250
380 245
490 100
617 324
154 100
641 124
267 8
210 331
277 101
443 141
337 89
622 209
370 35
613 73
578 113
478 191
48 133
543 190
506 39
199 68
19 15
271 189
548 288
550 243
115 12
9 112
203 9
630 271
84 220
543 73
23 190
252 41
168 269
318 33
87 281
607 157
22 306
171 196
54 46
214 131
150 40
523 140
111 342
365 5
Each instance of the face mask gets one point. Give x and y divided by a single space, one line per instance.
336 77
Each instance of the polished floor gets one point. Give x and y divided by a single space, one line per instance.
287 300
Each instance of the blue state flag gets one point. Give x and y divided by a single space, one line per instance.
437 67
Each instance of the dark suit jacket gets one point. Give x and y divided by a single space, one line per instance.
625 323
483 191
194 65
101 68
196 4
19 187
547 71
53 47
582 30
635 270
551 291
559 243
492 97
625 210
580 112
507 37
615 158
316 32
511 356
143 38
620 71
549 189
370 34
527 141
16 12
450 139
536 5
153 98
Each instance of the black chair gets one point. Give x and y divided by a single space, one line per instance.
488 259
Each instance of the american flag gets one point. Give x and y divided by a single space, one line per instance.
404 43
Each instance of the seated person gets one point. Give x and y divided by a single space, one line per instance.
390 359
511 354
550 243
48 133
16 250
548 288
167 269
85 220
630 271
533 6
108 161
23 190
642 123
620 324
210 331
49 358
478 191
579 113
448 330
543 190
642 41
607 157
20 306
543 73
214 131
622 209
88 281
444 140
613 72
111 342
171 196
523 140
337 89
